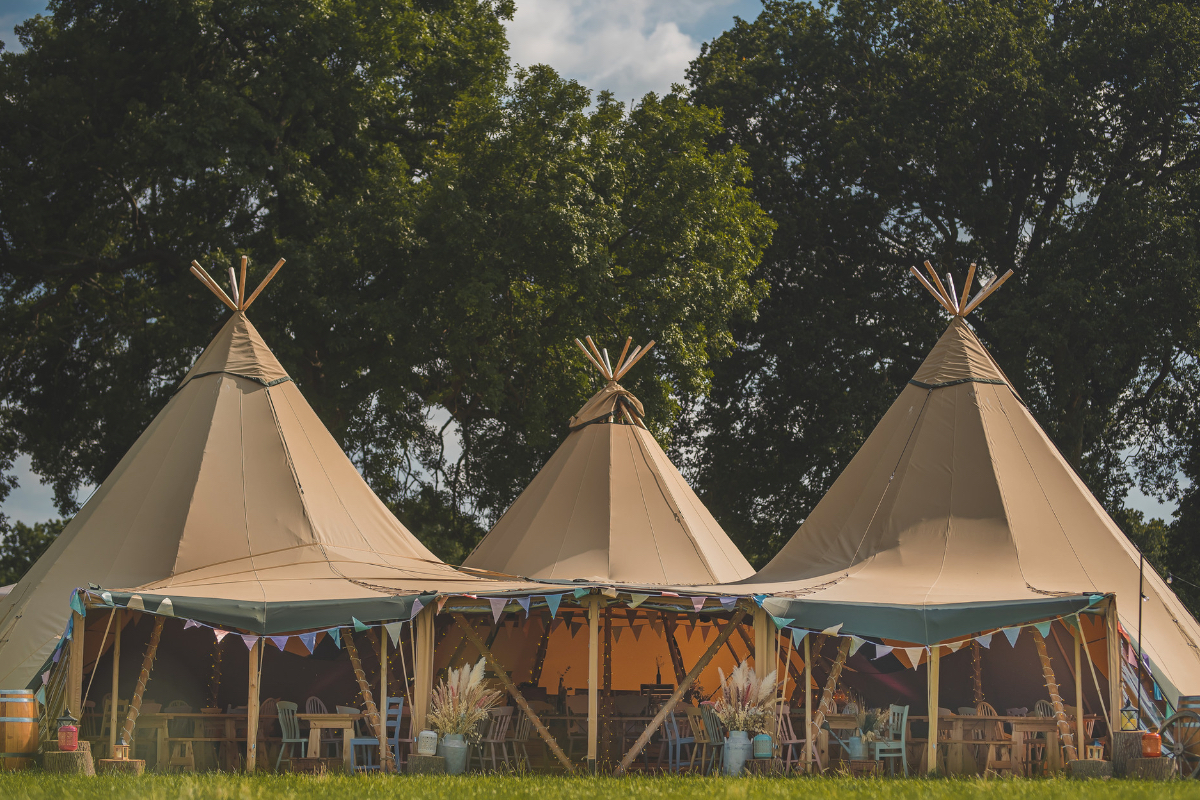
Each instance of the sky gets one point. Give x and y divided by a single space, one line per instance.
629 47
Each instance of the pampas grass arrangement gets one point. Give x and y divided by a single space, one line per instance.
746 703
460 702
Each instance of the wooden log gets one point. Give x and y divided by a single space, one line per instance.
426 765
1088 768
75 673
1065 734
116 676
1151 769
372 713
669 628
502 674
120 766
262 285
1113 647
75 762
977 672
135 705
835 672
644 737
1126 746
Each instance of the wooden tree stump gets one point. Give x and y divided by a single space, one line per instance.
74 762
1127 745
1081 768
426 765
121 766
1152 769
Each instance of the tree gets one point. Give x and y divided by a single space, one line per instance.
450 227
1058 139
22 545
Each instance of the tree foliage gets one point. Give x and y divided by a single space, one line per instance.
450 225
1058 139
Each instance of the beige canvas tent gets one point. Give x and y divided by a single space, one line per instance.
959 515
238 505
610 507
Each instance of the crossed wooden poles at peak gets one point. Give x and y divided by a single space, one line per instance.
239 302
950 300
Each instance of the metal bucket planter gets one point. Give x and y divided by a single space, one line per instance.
737 750
454 750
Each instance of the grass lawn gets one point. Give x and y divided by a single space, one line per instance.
39 786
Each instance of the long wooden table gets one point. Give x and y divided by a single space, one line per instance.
159 723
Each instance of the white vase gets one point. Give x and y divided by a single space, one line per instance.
737 750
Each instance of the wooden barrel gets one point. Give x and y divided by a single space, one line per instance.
18 729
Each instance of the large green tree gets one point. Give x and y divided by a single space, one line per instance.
1058 139
450 226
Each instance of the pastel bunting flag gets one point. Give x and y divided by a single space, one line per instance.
954 647
759 598
985 640
497 604
914 655
552 601
57 655
41 695
798 635
581 591
77 604
781 623
416 608
1043 627
882 650
523 602
609 591
280 642
166 607
441 601
636 600
107 598
250 640
728 602
191 623
698 602
309 640
45 677
393 630
1158 695
855 644
1011 634
336 635
832 631
220 634
359 627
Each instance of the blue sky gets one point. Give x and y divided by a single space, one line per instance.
627 46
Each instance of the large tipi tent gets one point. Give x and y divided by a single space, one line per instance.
610 507
238 505
958 515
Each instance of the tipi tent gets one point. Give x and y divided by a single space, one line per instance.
609 506
958 515
236 503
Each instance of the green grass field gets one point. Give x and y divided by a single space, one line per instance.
39 786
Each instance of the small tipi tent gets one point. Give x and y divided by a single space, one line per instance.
238 504
609 506
959 514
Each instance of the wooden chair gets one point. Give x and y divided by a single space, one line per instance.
577 709
522 729
792 746
368 746
289 730
715 733
996 748
674 740
699 733
496 736
896 745
331 738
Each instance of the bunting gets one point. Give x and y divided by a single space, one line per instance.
581 591
832 631
1011 634
250 640
416 608
552 601
1043 627
441 601
523 602
798 635
191 623
393 631
135 603
166 608
336 635
985 640
728 602
914 655
280 642
77 604
636 600
882 650
698 602
358 626
497 604
855 644
637 632
954 647
220 634
780 623
616 632
309 640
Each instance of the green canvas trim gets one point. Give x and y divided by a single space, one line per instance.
992 381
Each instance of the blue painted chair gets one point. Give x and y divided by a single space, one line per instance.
289 729
673 744
716 736
368 746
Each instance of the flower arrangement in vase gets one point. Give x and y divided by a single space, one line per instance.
746 705
460 702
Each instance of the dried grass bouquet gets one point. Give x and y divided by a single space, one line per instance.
461 701
746 703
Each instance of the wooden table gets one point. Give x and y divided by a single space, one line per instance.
342 722
159 723
957 732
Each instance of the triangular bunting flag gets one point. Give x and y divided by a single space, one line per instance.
581 591
855 644
704 632
985 640
832 631
135 603
1043 627
41 695
166 607
637 632
523 602
575 626
914 655
107 598
358 626
416 608
616 632
636 600
728 602
497 604
250 640
336 635
688 630
798 635
552 601
882 650
555 624
1158 695
780 624
758 599
609 591
698 602
220 634
954 647
309 640
631 615
441 602
45 677
668 594
1011 634
393 631
191 623
77 604
280 642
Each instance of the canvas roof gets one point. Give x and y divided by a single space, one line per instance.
959 514
610 507
238 504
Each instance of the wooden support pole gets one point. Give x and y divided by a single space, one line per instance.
517 697
385 759
539 657
1064 727
977 671
252 703
1113 643
593 604
75 667
374 640
669 628
933 674
116 676
762 643
135 703
372 715
422 667
644 737
835 672
1079 729
262 285
808 709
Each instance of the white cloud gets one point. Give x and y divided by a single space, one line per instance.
629 47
